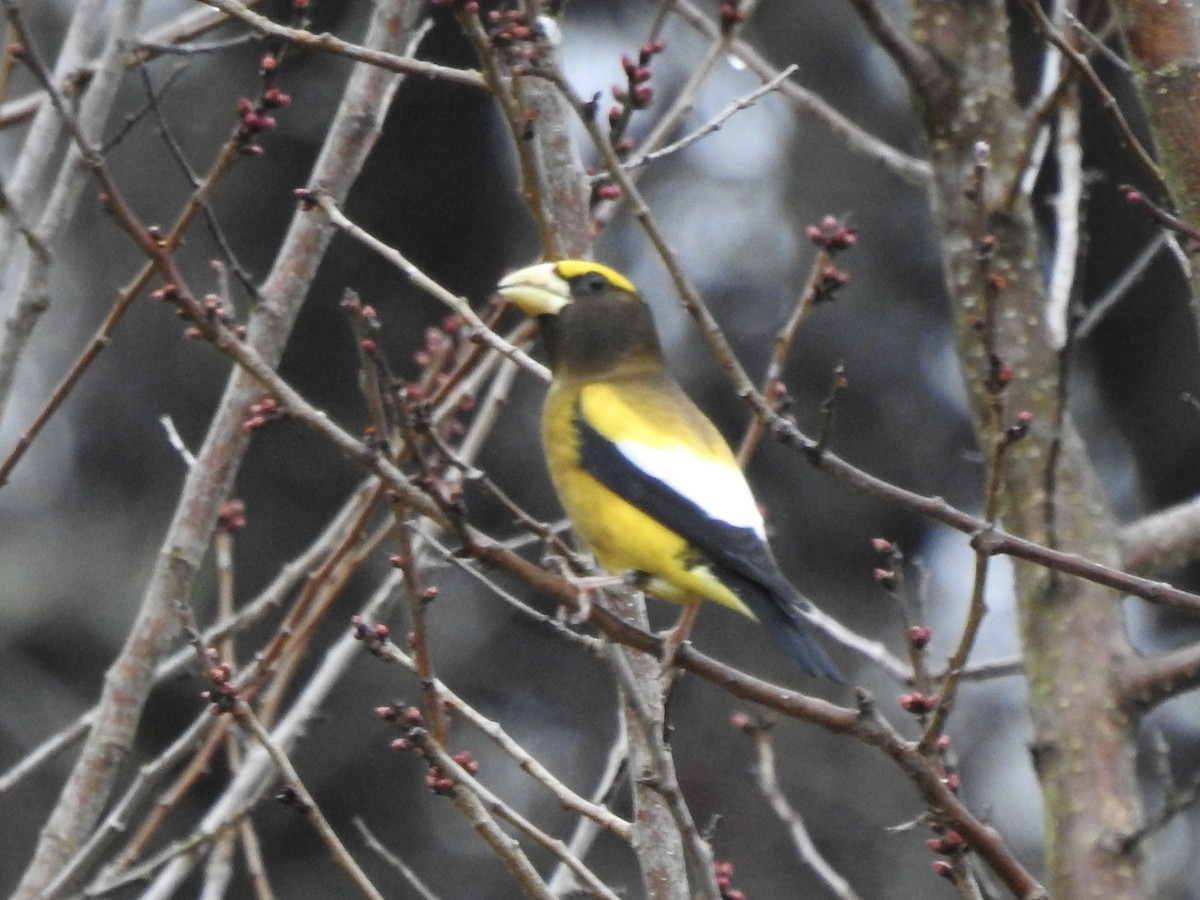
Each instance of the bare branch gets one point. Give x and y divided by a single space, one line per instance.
712 126
1081 62
431 287
253 779
365 101
33 291
304 800
327 43
768 784
856 139
920 69
394 861
1163 540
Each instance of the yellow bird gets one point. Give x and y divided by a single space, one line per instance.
646 479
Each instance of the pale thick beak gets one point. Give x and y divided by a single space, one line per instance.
536 290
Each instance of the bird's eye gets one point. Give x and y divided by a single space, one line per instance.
593 282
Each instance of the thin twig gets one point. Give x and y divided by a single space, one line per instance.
1176 799
681 106
596 812
175 439
999 440
148 48
784 339
418 606
197 185
431 287
921 70
768 784
616 770
1130 275
304 800
857 140
483 800
393 860
552 624
252 781
327 43
134 118
1052 34
712 126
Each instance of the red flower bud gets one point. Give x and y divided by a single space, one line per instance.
919 635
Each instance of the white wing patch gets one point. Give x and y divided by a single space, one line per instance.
716 488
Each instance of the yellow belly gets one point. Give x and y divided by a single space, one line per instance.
622 537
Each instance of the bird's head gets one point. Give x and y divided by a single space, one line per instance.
591 317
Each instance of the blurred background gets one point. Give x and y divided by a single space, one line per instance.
83 517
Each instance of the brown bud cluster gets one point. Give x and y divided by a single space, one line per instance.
730 15
224 693
919 704
1018 429
166 292
1000 374
882 546
723 870
254 116
438 781
264 410
832 235
887 572
374 636
604 189
465 760
515 35
407 715
886 577
832 278
635 94
307 198
919 636
948 844
214 311
232 516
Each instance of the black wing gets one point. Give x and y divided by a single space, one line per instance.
737 556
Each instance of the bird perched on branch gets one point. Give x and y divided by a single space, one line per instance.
646 479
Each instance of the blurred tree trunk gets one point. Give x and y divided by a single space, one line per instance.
1073 631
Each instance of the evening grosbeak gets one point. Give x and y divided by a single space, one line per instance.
646 479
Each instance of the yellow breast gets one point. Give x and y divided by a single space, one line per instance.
622 537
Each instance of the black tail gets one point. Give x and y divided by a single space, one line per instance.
777 606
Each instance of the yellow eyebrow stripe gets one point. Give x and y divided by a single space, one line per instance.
573 268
